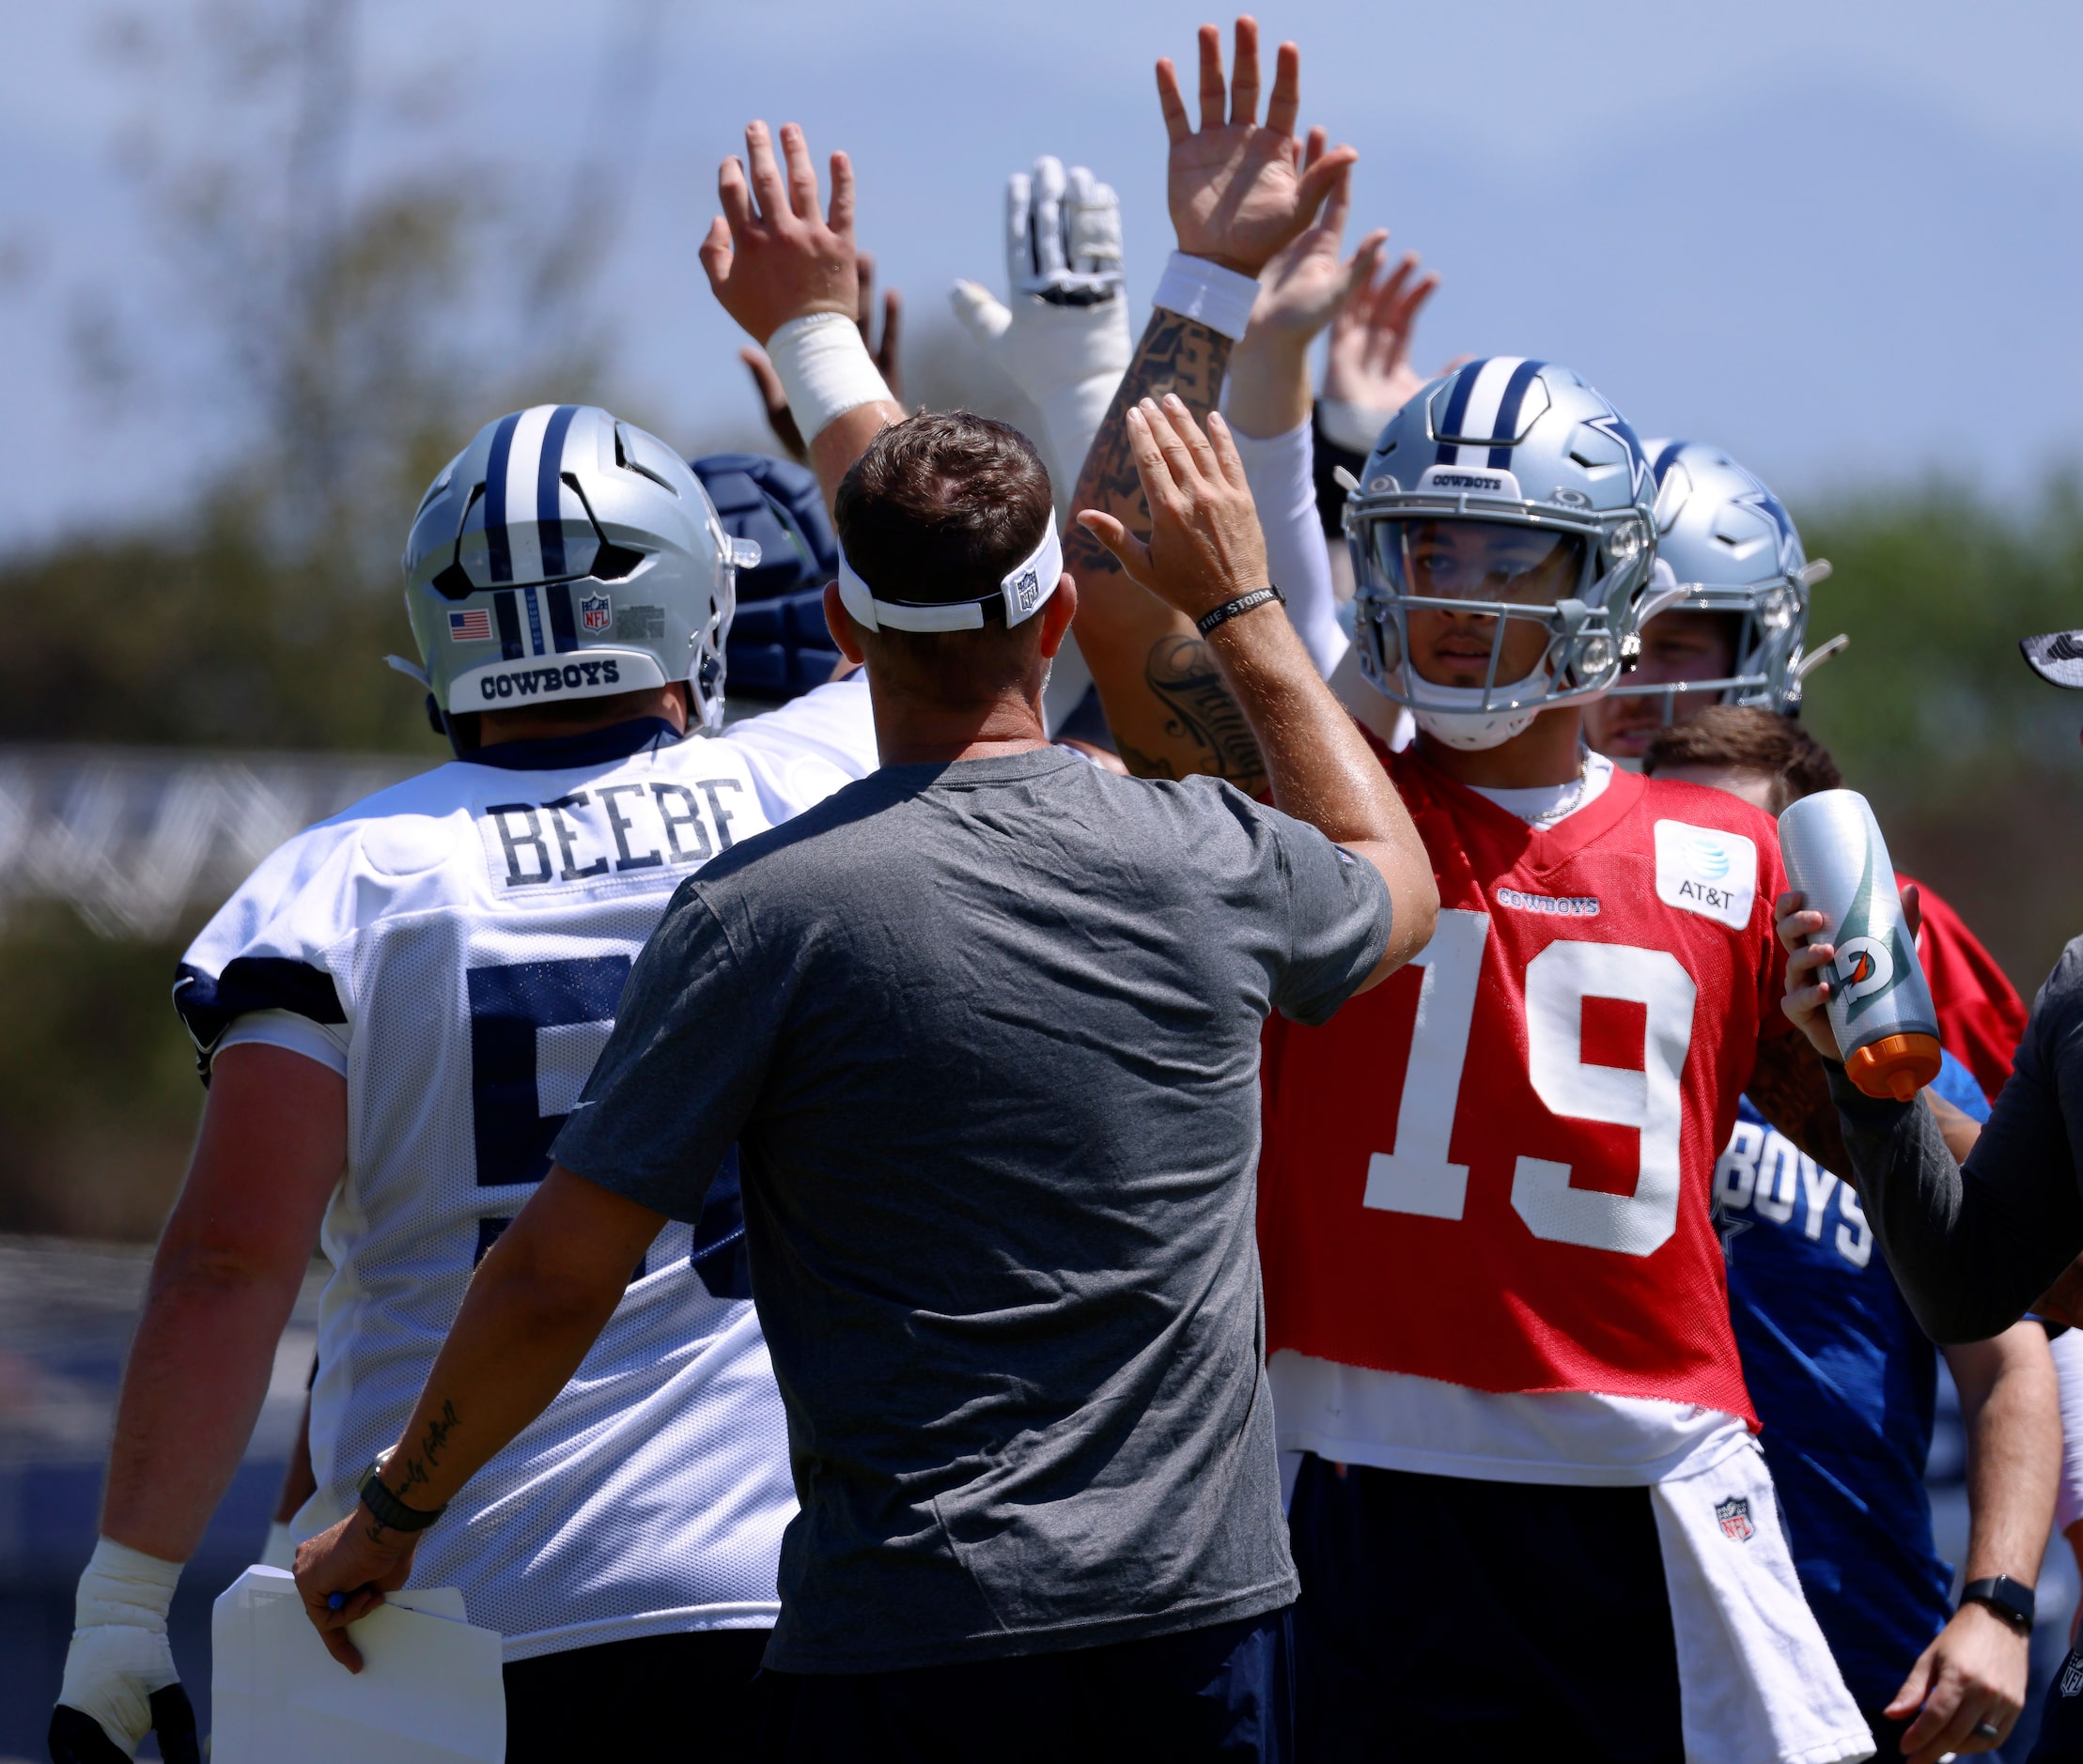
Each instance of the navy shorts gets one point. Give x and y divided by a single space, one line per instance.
1447 1618
658 1696
2060 1737
1224 1693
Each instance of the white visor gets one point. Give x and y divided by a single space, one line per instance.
1019 595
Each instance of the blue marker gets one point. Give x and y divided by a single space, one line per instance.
333 1600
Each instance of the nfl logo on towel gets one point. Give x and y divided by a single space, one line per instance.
471 625
594 613
1734 1515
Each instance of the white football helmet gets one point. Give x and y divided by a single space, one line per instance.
1529 447
1730 547
565 554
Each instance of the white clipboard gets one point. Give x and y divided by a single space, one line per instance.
429 1691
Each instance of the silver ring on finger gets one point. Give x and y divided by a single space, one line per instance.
1986 1730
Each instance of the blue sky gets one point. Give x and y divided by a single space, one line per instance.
1838 238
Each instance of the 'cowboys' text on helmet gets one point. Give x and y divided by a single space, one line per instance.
1505 494
565 554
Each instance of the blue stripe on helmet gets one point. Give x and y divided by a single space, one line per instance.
535 619
1507 423
1457 408
510 626
563 632
549 503
495 499
1670 451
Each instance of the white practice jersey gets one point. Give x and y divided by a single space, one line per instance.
463 940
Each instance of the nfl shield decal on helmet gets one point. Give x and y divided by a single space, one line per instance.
594 611
1734 1515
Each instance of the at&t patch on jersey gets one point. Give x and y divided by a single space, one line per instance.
1708 871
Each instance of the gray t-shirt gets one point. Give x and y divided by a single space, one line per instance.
987 1035
1973 1248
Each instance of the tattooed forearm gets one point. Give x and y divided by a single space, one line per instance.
437 1431
1176 355
1182 672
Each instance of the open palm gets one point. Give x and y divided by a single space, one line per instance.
1237 189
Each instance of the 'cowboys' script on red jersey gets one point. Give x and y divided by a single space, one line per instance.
1494 1170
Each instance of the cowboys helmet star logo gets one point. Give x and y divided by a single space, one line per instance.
1616 426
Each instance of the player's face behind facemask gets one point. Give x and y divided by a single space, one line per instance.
1442 565
935 514
1677 648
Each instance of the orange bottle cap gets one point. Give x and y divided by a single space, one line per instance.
1895 1066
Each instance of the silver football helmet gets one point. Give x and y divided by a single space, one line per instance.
1730 547
1512 492
565 554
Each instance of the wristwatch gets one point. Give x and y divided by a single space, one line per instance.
393 1512
2010 1599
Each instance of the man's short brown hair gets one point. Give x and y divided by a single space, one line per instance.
1748 739
938 509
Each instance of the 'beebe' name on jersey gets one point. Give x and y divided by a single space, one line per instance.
611 829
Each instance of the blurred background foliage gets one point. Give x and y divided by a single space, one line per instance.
359 341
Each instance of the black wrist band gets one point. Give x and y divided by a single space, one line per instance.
389 1510
1229 609
2010 1599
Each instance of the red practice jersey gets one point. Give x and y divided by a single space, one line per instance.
1980 1016
1495 1168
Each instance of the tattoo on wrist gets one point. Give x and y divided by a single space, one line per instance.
1182 672
437 1431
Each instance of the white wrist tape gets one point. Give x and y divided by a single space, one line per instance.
1353 426
119 1654
825 368
1207 293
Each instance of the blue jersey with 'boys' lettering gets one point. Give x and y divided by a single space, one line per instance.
1845 1382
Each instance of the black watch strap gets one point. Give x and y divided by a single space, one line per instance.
388 1508
2010 1599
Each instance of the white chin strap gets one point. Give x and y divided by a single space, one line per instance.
1473 728
1019 595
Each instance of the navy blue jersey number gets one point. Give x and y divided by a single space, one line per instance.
507 1006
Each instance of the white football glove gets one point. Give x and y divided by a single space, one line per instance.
120 1658
1064 341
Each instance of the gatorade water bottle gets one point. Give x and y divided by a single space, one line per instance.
1879 1005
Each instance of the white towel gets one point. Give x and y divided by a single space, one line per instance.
1757 1683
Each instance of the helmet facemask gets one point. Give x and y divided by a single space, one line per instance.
1495 575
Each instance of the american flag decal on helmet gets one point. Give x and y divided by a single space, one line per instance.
473 625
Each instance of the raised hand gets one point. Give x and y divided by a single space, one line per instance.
1205 547
1368 364
773 254
1238 189
1309 282
1062 334
779 417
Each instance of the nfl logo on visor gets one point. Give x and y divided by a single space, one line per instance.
1734 1515
1025 595
594 613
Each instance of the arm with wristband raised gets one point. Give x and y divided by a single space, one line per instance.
1238 191
1267 402
234 1252
788 272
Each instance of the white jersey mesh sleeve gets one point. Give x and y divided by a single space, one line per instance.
468 933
